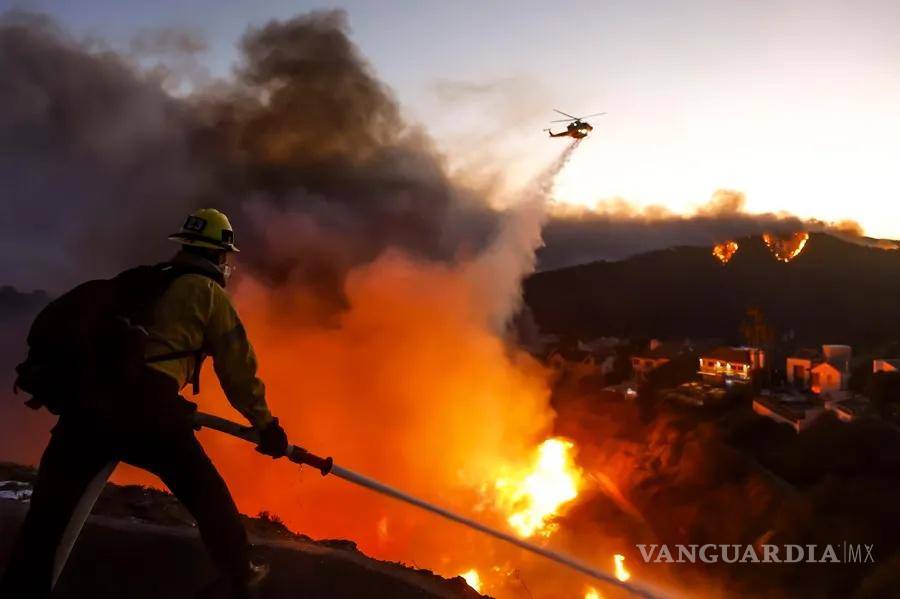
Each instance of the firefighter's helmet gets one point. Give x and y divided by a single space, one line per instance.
207 228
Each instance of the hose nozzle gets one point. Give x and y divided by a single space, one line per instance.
298 455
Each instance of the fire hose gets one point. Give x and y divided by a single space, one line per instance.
326 466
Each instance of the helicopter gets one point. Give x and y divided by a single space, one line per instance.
577 127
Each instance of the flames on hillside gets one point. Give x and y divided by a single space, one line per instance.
725 251
533 496
786 247
783 247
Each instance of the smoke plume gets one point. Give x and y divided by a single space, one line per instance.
99 162
616 229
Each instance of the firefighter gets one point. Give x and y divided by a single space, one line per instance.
153 428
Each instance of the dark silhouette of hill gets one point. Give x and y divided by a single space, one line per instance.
835 291
141 543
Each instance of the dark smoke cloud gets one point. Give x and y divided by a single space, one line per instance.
618 230
174 56
95 162
98 162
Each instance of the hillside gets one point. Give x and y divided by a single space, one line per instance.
141 543
834 291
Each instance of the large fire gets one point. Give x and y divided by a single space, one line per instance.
414 384
414 387
472 578
725 251
786 247
534 496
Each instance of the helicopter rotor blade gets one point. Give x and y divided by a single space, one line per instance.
574 118
563 120
592 115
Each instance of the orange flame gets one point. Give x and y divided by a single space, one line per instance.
621 573
472 578
411 386
533 497
592 593
725 251
786 248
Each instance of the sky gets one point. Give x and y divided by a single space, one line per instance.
793 103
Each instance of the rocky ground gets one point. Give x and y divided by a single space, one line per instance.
140 543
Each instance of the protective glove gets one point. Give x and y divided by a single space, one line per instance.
273 440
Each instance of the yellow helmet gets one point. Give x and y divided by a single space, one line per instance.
207 228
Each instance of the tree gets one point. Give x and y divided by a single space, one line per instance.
755 331
759 333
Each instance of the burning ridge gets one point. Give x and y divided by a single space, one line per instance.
784 247
725 251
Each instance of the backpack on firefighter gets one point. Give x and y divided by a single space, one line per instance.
88 345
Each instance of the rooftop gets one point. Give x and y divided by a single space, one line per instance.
794 410
853 407
807 353
738 355
895 362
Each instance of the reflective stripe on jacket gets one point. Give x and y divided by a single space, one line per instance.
195 312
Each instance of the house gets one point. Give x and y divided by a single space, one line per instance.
886 365
822 372
826 378
581 360
797 413
838 355
725 365
657 353
601 343
800 365
576 361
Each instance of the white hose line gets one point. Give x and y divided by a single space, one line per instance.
557 557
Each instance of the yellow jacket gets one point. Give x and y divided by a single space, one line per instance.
195 312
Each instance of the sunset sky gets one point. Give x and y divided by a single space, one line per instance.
793 103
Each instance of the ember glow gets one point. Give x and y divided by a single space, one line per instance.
592 593
786 248
621 573
473 579
725 251
534 497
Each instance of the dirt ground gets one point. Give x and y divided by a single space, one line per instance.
121 555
